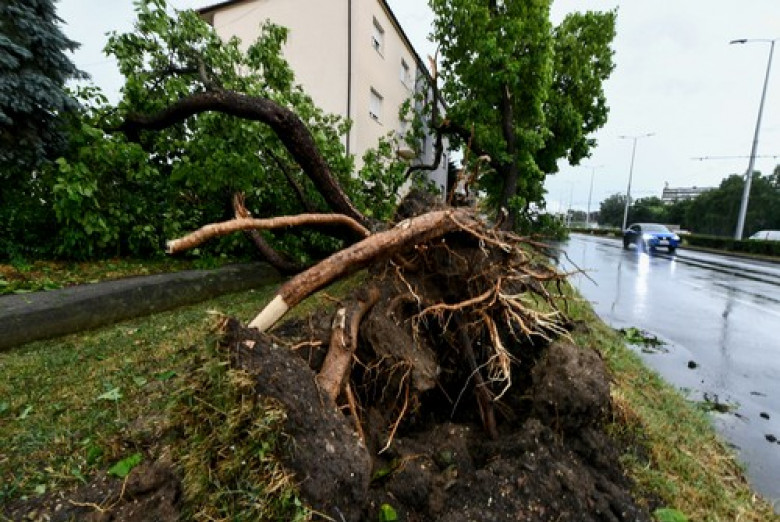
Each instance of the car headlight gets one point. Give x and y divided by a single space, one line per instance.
647 237
676 237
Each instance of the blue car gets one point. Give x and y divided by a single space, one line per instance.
649 236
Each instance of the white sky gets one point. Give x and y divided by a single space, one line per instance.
676 76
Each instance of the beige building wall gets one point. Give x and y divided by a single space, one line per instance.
316 45
318 50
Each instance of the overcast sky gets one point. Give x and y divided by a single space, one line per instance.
676 76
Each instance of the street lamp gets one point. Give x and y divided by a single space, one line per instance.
590 193
631 172
752 162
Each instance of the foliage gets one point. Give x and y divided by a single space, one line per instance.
729 244
713 213
648 210
382 175
530 93
107 196
34 68
611 210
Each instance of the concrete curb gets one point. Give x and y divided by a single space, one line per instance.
42 315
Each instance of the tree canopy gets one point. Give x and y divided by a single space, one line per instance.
712 213
521 91
33 71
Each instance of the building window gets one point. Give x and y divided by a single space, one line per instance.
378 38
375 105
405 73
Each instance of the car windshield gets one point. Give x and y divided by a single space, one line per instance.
654 228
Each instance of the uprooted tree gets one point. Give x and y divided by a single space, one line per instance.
448 369
453 315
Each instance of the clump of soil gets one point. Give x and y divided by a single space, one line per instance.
462 397
465 399
151 492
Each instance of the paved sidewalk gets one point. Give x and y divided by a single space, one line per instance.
42 315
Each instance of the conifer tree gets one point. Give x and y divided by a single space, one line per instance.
34 68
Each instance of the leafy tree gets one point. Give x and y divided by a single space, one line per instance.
124 193
33 71
611 210
648 210
715 212
521 91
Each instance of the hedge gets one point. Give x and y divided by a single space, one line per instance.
727 244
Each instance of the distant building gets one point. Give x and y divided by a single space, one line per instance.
673 195
352 57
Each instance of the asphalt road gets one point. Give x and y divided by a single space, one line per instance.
720 318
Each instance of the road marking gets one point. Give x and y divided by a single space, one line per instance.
734 299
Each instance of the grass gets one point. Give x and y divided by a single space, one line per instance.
76 405
675 454
159 387
23 277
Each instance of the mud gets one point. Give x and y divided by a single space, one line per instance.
465 401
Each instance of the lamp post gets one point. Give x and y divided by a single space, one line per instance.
749 174
590 192
631 172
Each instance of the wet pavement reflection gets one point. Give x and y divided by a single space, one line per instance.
719 317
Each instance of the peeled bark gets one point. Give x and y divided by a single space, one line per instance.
384 244
234 225
342 346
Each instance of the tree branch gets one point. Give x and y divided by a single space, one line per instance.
228 227
267 251
383 244
287 125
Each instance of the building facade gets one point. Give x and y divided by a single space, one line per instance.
351 56
672 195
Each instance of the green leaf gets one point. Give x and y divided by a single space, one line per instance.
123 468
94 454
25 413
140 381
164 376
669 515
113 394
387 513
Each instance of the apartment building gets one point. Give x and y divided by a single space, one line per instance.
351 56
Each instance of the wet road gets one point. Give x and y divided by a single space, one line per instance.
722 313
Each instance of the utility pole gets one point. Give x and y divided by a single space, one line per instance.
631 172
749 174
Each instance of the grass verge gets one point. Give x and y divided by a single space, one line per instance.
74 407
24 277
674 454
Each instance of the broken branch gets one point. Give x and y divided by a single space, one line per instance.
234 225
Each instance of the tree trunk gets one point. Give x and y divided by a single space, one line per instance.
509 171
384 244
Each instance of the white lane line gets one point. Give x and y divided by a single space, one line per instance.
750 304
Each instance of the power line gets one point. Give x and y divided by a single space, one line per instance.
702 158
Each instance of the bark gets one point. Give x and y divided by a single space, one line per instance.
343 343
228 227
273 257
509 170
384 244
287 125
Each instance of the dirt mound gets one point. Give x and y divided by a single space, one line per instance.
460 399
552 462
445 388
